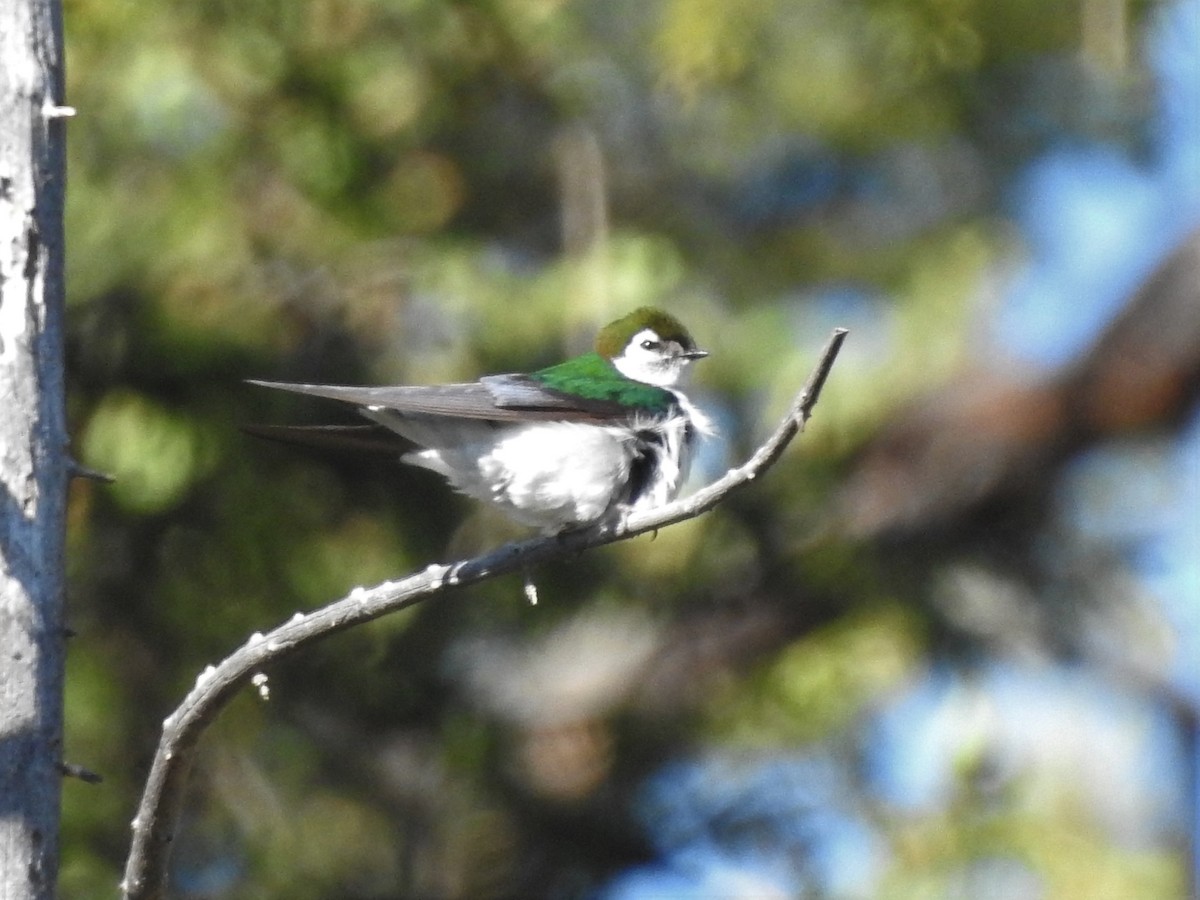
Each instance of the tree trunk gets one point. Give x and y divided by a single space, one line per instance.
33 461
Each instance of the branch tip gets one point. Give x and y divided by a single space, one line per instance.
52 110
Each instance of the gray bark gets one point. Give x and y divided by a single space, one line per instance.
33 461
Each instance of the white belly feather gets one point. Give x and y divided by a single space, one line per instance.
550 475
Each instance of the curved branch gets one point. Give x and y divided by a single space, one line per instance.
157 818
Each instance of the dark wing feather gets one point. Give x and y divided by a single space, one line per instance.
355 438
521 392
497 398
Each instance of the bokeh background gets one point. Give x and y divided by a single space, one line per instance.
949 647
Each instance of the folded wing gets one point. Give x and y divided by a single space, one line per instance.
496 398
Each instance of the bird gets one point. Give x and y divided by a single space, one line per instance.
586 441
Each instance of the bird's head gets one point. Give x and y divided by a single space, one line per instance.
649 345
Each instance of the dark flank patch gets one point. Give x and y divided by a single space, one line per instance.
645 464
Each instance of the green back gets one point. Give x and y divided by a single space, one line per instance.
595 378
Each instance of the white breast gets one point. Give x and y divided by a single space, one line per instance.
559 473
549 475
552 475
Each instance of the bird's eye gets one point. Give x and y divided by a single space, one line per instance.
651 345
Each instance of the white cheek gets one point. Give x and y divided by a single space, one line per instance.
650 366
632 366
642 365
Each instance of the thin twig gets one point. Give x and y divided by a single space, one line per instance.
77 469
73 770
154 827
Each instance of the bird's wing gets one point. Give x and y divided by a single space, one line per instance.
497 398
530 395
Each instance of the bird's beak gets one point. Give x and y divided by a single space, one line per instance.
694 354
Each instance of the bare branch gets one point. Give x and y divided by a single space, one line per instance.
157 819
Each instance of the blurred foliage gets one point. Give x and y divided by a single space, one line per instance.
382 190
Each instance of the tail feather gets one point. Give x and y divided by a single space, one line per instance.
341 438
